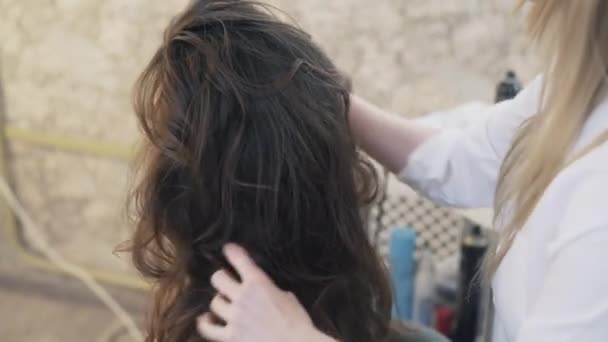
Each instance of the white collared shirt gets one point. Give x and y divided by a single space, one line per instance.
553 284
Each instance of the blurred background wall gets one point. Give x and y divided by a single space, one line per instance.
67 68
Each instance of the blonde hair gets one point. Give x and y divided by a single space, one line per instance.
573 36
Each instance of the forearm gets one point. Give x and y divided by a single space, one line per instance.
387 138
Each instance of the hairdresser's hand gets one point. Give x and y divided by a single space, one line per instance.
255 309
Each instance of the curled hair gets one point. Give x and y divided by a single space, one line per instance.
247 141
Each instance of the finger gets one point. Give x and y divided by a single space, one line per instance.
225 284
211 330
291 296
291 299
221 308
242 262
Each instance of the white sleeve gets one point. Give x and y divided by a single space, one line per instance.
459 168
573 302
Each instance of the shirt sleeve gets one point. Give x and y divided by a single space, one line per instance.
573 301
459 168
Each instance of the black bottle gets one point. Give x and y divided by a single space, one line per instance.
508 88
469 313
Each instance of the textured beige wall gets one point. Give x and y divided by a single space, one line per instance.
68 67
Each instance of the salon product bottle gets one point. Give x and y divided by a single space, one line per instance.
474 246
444 319
424 291
508 88
402 265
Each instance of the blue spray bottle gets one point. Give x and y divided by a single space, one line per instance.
402 267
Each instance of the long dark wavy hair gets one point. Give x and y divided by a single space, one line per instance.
248 141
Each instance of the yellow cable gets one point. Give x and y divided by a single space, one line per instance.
35 236
33 260
71 144
109 278
79 145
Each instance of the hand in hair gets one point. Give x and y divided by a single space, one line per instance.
235 309
247 141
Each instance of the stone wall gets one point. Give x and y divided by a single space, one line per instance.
68 67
